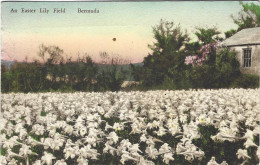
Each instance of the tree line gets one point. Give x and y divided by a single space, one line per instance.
175 63
65 75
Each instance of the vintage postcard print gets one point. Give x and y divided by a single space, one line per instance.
144 82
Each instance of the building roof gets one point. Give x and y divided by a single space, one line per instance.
250 36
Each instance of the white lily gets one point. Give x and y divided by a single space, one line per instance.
242 154
47 158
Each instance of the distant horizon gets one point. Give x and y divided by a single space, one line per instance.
89 27
100 63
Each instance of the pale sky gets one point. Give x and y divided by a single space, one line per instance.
79 33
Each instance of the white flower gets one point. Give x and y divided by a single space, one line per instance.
76 120
61 162
142 161
151 151
190 131
83 131
23 134
3 160
143 138
112 137
8 143
88 152
91 140
108 127
249 143
256 131
161 131
126 157
135 128
25 150
240 117
68 129
124 144
47 158
242 154
69 152
171 115
249 134
37 162
33 142
189 150
167 157
203 119
173 126
13 162
109 149
225 134
82 161
224 163
38 129
165 148
57 143
212 161
134 149
258 152
117 127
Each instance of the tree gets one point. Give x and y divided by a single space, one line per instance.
230 33
136 72
248 17
166 53
111 75
54 52
85 73
192 48
168 38
6 79
207 35
51 55
227 67
218 73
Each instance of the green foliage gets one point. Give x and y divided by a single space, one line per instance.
227 67
202 76
110 79
248 17
246 81
166 54
230 33
222 151
206 35
43 113
3 151
169 38
56 74
24 77
192 48
220 72
136 72
165 68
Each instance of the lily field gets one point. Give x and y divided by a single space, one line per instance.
207 127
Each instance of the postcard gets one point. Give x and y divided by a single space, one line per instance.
121 82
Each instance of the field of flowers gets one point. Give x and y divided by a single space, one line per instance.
154 127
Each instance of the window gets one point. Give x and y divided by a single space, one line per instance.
247 58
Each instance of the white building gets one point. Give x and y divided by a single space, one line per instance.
246 43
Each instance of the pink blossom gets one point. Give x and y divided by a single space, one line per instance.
190 60
205 49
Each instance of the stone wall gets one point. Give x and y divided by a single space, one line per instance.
255 58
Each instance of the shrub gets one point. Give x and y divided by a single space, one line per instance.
246 81
227 67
